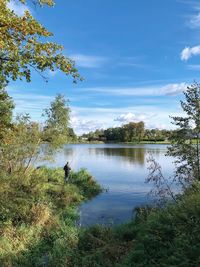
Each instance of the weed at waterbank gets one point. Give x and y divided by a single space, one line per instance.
38 227
157 237
38 216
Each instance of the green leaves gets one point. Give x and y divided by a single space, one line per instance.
185 147
57 122
6 108
21 48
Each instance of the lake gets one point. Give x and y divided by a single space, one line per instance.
121 169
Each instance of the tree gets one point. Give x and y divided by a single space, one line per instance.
6 108
56 127
133 131
21 145
185 147
26 141
22 46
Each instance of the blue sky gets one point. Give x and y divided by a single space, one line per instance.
136 57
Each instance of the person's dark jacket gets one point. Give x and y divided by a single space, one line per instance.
67 169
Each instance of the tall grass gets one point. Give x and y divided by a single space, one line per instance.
38 214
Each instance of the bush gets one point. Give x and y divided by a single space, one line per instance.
38 216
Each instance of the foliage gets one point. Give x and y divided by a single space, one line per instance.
57 122
72 136
186 147
169 236
162 189
131 132
24 144
157 237
100 246
38 216
82 179
6 108
24 47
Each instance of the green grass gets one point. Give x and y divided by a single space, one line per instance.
157 237
38 215
38 226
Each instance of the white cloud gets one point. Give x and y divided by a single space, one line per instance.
188 52
29 102
81 126
87 61
195 21
131 117
154 116
89 118
123 91
168 89
174 88
18 8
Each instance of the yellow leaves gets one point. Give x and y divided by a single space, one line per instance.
22 50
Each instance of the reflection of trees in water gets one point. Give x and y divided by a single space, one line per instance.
133 155
155 151
69 152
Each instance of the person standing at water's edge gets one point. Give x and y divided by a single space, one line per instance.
67 170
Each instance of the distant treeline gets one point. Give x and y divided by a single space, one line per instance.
131 132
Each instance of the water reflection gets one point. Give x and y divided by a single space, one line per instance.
129 154
122 169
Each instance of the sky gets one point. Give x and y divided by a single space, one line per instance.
136 57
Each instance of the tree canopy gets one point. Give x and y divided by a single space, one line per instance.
185 150
6 107
186 147
57 122
24 46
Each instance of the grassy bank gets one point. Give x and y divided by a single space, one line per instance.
38 227
157 237
38 215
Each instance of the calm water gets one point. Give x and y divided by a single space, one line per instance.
122 170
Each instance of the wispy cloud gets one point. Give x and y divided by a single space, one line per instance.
88 61
18 8
194 22
135 62
87 118
188 52
93 61
168 89
31 103
174 88
194 67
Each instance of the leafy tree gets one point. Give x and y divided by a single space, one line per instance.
72 135
56 127
133 131
23 143
186 147
23 46
6 108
